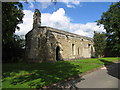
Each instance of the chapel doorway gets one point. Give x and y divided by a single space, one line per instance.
57 53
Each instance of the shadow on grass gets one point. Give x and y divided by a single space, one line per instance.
69 83
37 75
112 68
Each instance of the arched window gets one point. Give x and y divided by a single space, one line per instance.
89 45
38 42
73 49
78 51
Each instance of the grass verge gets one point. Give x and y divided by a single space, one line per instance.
35 75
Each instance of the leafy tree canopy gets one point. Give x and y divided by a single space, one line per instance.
111 21
12 14
99 43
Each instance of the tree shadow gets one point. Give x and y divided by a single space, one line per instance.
43 74
69 83
113 69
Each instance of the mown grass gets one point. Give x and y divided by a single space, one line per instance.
35 75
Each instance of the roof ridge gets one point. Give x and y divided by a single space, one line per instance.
62 31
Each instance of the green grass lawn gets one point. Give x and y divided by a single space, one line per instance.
33 75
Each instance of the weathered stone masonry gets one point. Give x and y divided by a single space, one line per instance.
50 44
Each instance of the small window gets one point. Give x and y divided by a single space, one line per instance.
88 45
73 49
38 42
78 51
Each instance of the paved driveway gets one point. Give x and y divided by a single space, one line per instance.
105 77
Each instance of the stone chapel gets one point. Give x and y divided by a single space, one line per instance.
50 44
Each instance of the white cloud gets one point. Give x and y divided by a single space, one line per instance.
70 6
45 4
71 3
76 1
31 5
27 24
58 19
86 29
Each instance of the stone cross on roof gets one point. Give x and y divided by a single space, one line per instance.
36 19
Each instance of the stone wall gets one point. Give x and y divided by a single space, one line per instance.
50 44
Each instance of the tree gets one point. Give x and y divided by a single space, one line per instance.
99 43
111 21
12 15
10 18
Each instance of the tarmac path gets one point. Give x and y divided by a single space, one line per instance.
105 77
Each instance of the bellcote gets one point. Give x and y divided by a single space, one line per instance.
36 19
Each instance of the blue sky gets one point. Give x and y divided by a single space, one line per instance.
75 16
82 13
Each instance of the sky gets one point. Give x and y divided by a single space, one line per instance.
72 16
